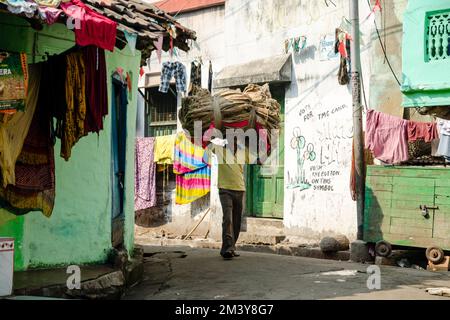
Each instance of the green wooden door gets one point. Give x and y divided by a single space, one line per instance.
265 184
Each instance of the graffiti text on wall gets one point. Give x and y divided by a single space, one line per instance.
323 152
305 152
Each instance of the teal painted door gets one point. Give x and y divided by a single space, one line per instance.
265 184
118 158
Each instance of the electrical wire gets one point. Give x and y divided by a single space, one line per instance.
184 7
384 49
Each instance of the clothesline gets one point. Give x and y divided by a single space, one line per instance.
387 136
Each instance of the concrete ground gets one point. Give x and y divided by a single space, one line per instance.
173 273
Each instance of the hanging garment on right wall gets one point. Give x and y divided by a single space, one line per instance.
444 140
387 137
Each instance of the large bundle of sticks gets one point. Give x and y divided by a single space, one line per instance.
228 107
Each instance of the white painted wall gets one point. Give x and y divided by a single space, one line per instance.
210 46
317 107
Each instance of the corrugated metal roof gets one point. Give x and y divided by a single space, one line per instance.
178 6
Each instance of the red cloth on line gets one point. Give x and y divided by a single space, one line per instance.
90 27
96 89
422 131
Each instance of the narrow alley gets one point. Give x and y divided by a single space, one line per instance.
223 150
183 273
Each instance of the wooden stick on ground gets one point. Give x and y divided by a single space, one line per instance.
196 226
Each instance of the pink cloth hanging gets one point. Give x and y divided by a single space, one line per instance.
145 174
387 137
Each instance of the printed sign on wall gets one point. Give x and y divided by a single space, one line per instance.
13 81
326 48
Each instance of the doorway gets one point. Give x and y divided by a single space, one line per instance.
119 135
265 184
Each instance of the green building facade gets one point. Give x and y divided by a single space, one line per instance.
79 230
426 53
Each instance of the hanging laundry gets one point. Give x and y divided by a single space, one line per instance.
422 131
343 77
173 69
299 43
28 8
287 45
91 28
96 89
444 140
49 15
34 188
158 45
343 40
196 75
14 129
13 81
443 127
164 146
145 174
387 137
192 169
73 125
48 3
210 77
131 39
342 46
53 90
172 30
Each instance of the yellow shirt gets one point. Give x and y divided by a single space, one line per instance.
231 177
231 173
164 148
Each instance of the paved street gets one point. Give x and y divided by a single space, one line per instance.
188 273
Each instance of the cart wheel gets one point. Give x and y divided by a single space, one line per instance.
435 254
383 248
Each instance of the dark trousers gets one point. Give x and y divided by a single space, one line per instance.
232 208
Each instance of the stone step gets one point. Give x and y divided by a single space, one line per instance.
260 239
263 222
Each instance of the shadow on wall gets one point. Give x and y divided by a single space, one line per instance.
199 206
309 53
160 214
375 217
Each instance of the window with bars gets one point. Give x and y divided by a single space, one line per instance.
437 36
161 112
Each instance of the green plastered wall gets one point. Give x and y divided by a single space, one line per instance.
79 231
425 83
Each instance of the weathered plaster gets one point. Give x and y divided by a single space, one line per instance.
317 107
79 231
